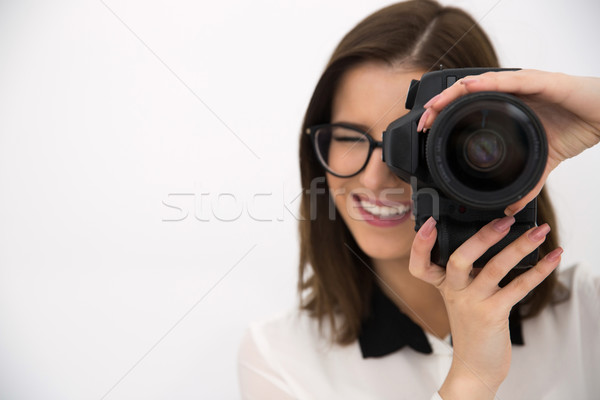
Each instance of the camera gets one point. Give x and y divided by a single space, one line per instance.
485 151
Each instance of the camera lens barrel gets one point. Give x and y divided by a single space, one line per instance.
486 150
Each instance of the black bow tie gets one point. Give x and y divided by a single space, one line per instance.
387 329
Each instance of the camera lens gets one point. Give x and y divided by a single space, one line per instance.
486 150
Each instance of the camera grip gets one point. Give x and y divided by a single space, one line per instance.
451 235
457 223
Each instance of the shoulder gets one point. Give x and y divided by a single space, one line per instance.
284 355
571 319
573 314
581 289
287 333
259 373
576 299
560 342
580 312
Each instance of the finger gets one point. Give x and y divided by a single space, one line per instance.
524 82
519 287
420 264
460 263
438 102
519 205
486 283
434 106
547 86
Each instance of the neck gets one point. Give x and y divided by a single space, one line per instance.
421 301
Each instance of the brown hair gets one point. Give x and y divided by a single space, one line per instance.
418 34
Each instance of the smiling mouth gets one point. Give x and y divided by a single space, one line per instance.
383 211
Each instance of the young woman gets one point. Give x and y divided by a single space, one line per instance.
377 319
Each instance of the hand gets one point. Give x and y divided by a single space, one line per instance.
478 308
566 105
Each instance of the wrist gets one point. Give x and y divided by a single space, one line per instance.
465 385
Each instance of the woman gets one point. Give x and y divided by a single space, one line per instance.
378 320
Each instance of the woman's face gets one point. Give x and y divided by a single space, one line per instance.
375 204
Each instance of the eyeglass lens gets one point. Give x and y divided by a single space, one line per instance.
343 150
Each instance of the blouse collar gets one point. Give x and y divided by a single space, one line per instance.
387 329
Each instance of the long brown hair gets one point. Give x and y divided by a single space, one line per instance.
333 281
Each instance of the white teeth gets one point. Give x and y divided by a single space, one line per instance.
384 211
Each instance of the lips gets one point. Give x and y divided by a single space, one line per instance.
382 213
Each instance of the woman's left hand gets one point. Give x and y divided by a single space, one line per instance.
568 107
478 308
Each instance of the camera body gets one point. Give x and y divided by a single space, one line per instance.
484 152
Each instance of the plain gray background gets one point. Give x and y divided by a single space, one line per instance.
149 177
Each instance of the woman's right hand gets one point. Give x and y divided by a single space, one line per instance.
566 105
478 308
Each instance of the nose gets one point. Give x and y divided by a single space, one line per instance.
377 175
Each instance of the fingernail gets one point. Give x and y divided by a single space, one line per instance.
539 233
432 100
554 254
423 120
503 223
509 211
466 81
427 228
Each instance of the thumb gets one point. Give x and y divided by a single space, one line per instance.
420 265
519 205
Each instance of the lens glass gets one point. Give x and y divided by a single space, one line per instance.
343 150
487 145
484 150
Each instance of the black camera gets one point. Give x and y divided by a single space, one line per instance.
484 151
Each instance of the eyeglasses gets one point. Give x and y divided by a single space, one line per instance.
342 149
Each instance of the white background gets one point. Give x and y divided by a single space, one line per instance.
107 133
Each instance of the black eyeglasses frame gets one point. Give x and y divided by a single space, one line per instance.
373 144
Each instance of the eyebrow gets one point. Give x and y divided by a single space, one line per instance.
354 124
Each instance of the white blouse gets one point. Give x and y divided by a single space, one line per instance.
286 357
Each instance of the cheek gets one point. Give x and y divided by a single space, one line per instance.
339 190
333 182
